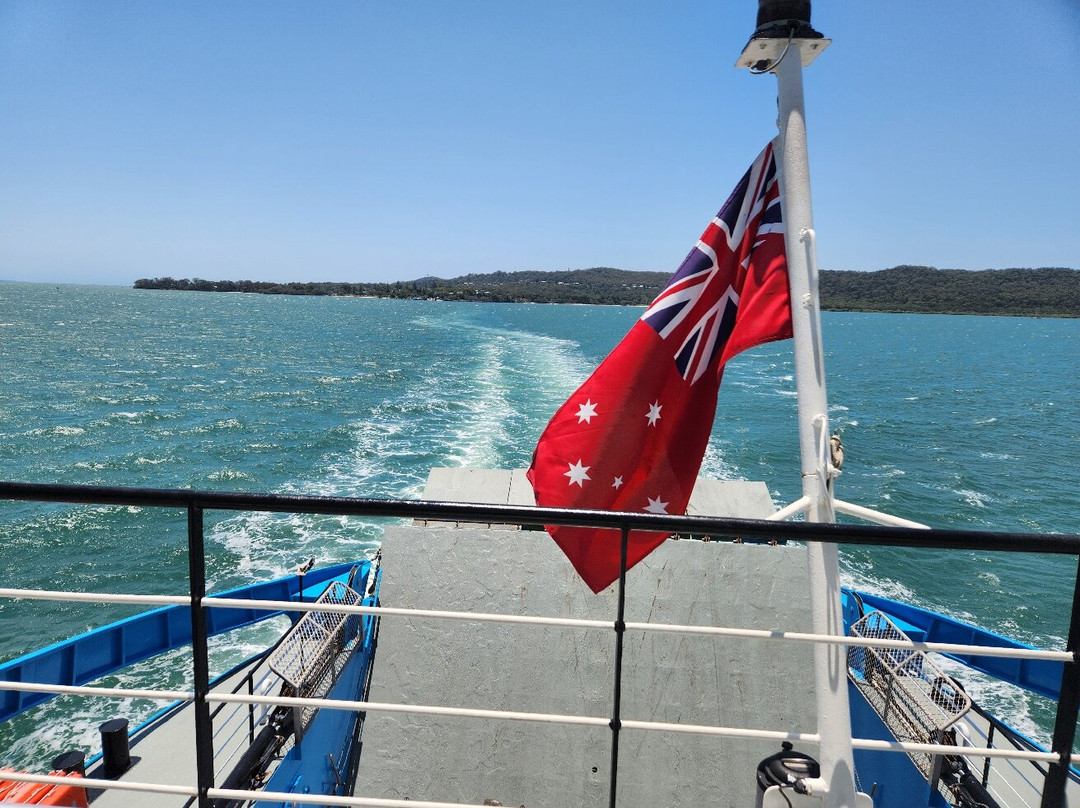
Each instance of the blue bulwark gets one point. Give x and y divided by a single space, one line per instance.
89 656
1037 675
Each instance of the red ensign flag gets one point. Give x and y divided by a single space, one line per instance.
633 435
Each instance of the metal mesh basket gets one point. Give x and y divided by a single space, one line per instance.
311 656
915 699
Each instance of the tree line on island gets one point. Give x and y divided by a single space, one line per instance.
1044 292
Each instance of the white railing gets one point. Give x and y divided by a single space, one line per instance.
566 622
196 502
578 720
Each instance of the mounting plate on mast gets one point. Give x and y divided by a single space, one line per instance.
762 54
781 24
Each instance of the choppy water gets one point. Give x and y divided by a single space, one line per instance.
953 421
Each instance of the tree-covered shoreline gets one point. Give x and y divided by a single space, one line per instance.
1042 292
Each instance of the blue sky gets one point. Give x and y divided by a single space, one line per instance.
380 141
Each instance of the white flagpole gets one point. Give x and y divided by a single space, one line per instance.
783 45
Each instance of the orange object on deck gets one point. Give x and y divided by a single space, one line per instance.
71 796
6 785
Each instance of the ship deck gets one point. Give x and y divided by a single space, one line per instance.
555 670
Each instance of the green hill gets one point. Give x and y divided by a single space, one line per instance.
1046 292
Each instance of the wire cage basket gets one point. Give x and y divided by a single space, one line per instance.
915 699
312 655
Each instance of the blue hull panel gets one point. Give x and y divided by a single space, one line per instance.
320 765
89 656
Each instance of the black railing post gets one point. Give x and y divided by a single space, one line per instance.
616 703
986 765
1068 705
200 658
251 708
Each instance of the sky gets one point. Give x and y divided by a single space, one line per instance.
391 140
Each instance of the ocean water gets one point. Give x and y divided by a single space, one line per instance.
965 422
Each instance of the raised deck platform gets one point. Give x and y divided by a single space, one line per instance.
671 678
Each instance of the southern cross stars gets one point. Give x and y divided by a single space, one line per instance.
654 412
656 506
577 474
586 411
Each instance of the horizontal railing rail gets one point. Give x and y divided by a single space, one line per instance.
873 535
1030 753
195 503
564 622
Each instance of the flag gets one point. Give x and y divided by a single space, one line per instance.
633 435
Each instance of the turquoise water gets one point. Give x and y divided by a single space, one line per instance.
954 421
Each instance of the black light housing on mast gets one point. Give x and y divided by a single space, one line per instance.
783 18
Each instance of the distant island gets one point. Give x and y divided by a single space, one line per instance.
1043 292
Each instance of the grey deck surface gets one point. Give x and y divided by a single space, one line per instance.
671 678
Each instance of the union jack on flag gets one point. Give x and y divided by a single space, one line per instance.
632 437
692 292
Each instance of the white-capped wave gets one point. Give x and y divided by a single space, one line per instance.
716 466
861 576
973 498
228 474
264 545
989 578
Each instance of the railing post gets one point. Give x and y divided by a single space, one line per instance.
989 743
1068 705
251 708
616 704
200 658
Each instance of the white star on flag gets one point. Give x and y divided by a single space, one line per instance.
586 411
618 483
656 506
577 473
654 412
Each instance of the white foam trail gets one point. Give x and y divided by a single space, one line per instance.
1013 704
501 394
487 409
